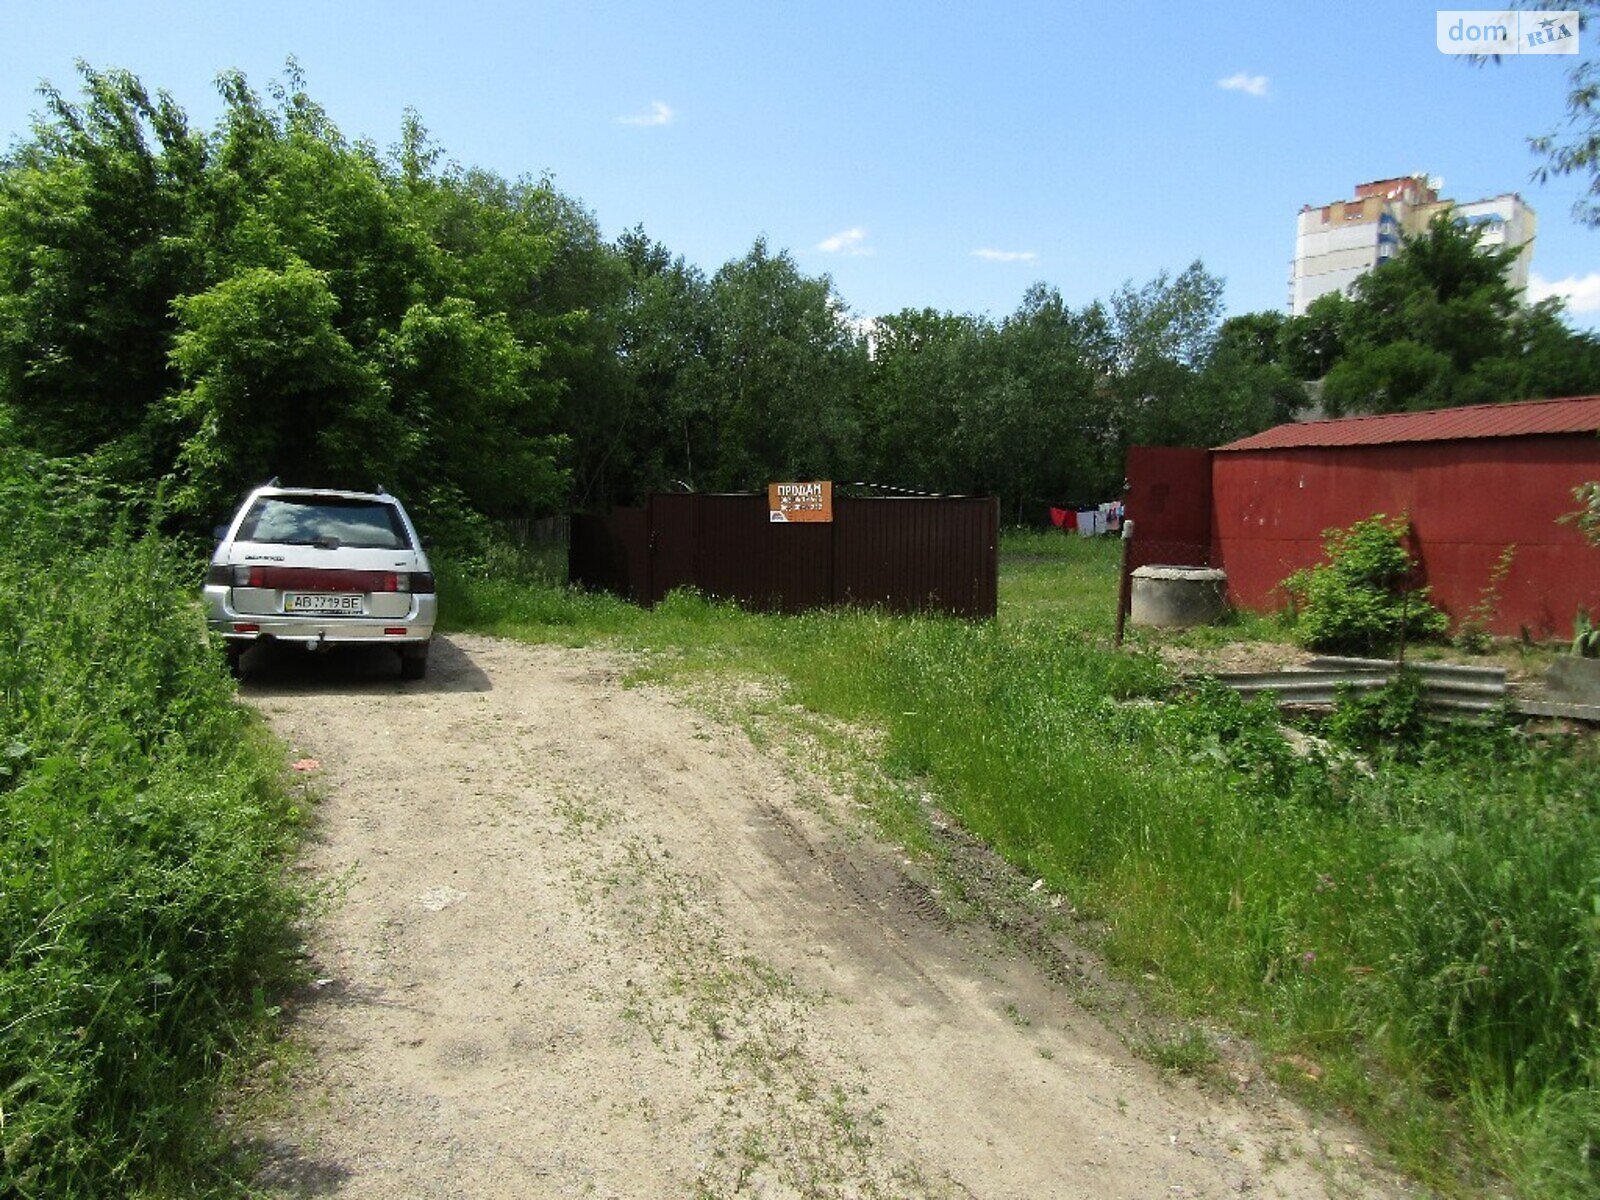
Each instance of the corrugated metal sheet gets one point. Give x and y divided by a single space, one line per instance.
1473 689
611 553
672 532
1577 414
906 555
800 562
1466 500
738 521
917 555
1169 503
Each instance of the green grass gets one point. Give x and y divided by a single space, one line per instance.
1187 1053
1424 926
1062 577
146 919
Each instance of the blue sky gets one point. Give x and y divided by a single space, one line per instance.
945 155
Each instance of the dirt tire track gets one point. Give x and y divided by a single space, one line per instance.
595 944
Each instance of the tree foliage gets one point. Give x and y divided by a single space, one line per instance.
272 299
268 297
1438 325
1573 148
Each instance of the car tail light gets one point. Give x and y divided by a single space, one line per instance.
223 575
396 631
241 627
416 581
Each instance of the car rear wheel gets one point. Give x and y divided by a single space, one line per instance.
236 661
414 661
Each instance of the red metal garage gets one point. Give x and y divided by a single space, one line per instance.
1472 480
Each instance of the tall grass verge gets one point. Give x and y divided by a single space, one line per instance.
145 914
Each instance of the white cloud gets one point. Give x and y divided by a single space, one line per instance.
1581 292
852 241
659 114
990 255
1243 81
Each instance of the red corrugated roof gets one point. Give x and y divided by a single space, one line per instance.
1575 414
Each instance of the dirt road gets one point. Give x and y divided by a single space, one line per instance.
592 943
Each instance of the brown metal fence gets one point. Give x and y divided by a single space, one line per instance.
611 553
933 554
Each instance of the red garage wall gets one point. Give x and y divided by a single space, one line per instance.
1467 500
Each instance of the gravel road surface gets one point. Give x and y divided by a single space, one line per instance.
590 942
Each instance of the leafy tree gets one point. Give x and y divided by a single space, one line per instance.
1020 409
776 381
926 366
1183 377
1388 377
1438 325
96 239
1170 320
274 388
471 411
286 185
1041 408
272 299
1245 385
659 437
1252 337
1445 290
1309 345
1050 422
1237 394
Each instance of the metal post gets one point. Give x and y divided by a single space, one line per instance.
1124 581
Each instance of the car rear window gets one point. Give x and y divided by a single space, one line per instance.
307 520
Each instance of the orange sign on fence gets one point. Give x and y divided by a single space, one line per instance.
791 502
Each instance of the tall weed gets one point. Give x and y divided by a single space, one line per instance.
144 907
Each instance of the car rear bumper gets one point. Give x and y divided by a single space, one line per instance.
312 629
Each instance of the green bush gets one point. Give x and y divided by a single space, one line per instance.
1393 717
145 913
1360 601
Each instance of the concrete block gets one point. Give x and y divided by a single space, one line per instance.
1574 679
1178 597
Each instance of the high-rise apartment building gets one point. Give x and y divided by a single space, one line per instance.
1338 243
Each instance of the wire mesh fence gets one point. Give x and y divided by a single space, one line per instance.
1154 552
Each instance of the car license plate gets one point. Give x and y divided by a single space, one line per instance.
322 602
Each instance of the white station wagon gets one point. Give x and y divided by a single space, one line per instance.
322 568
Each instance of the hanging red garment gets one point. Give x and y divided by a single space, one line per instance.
1058 517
